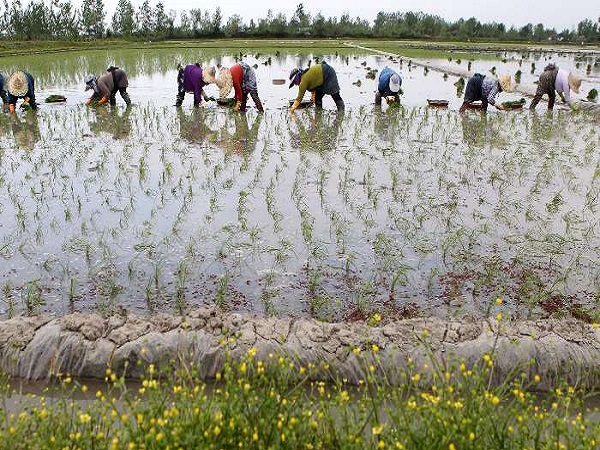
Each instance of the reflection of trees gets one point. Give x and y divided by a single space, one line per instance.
317 133
25 130
112 121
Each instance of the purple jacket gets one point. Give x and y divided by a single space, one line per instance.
193 82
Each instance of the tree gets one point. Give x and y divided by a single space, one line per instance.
123 18
234 26
216 21
144 19
92 17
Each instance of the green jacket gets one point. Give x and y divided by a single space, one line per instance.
311 79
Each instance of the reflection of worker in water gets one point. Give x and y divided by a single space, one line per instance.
554 80
243 140
321 134
193 127
474 129
485 88
193 78
110 120
26 131
243 79
106 87
388 86
20 85
319 79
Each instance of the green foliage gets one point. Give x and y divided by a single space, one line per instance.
263 401
57 19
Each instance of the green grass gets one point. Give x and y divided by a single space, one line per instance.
263 401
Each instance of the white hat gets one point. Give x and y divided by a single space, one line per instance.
574 82
395 82
17 84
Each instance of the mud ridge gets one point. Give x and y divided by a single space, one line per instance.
84 345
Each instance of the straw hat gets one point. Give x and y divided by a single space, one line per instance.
505 83
17 84
574 82
224 81
395 82
208 75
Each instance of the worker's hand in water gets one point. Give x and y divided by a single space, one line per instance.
294 106
103 100
237 106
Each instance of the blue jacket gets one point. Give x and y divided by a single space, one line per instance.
30 92
2 90
384 82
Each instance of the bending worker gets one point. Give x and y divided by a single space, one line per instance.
485 88
320 79
192 78
388 86
20 85
244 83
554 80
106 87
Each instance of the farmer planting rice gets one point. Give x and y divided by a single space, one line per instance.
319 79
20 85
553 80
388 86
106 87
485 89
193 78
243 78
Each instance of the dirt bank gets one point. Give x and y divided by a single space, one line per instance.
85 345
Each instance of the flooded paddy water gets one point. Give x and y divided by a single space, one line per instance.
397 211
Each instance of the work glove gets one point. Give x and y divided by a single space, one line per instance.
11 108
313 96
294 106
26 102
237 106
103 100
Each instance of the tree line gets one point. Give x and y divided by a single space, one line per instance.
56 19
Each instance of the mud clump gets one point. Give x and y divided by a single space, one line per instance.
84 345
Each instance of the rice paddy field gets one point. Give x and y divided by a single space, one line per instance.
377 212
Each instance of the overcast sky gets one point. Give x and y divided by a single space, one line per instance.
552 13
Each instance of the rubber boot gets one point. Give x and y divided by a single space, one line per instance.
126 98
257 101
339 103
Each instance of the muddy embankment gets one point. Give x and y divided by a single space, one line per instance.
84 345
525 89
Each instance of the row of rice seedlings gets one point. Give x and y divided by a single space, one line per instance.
417 181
